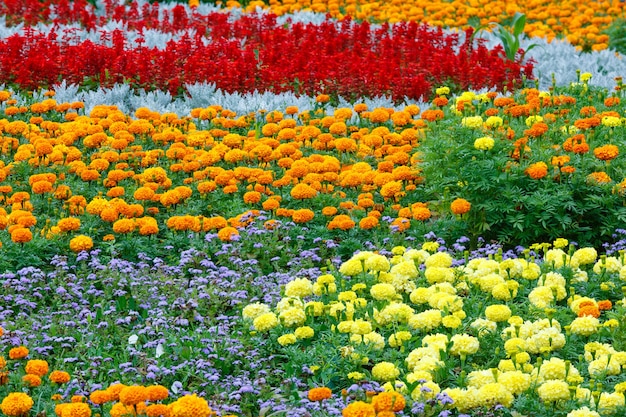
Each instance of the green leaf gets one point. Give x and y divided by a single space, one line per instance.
519 21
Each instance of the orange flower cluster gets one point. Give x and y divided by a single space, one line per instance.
580 23
606 152
144 173
537 170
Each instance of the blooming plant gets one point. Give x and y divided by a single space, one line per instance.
460 256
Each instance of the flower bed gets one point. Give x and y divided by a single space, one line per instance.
460 257
255 53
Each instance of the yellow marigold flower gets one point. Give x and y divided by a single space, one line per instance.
385 371
611 121
293 316
265 322
287 339
304 332
498 313
585 325
16 404
554 390
485 143
464 344
383 291
254 310
472 122
583 412
494 121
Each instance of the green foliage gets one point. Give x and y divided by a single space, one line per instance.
617 35
510 35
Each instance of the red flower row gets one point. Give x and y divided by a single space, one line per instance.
256 53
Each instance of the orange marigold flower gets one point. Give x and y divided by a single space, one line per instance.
41 187
322 98
157 410
124 226
303 191
598 178
302 215
133 395
432 115
156 393
440 101
99 397
190 406
536 130
460 206
369 222
227 234
76 409
379 115
69 224
81 243
589 310
121 410
342 222
559 161
18 353
59 377
537 170
16 404
503 101
605 305
420 213
36 367
611 101
31 380
606 152
252 197
588 111
271 204
114 391
21 235
319 393
388 401
588 123
329 211
400 224
359 409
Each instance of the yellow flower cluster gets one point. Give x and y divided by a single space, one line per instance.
378 309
